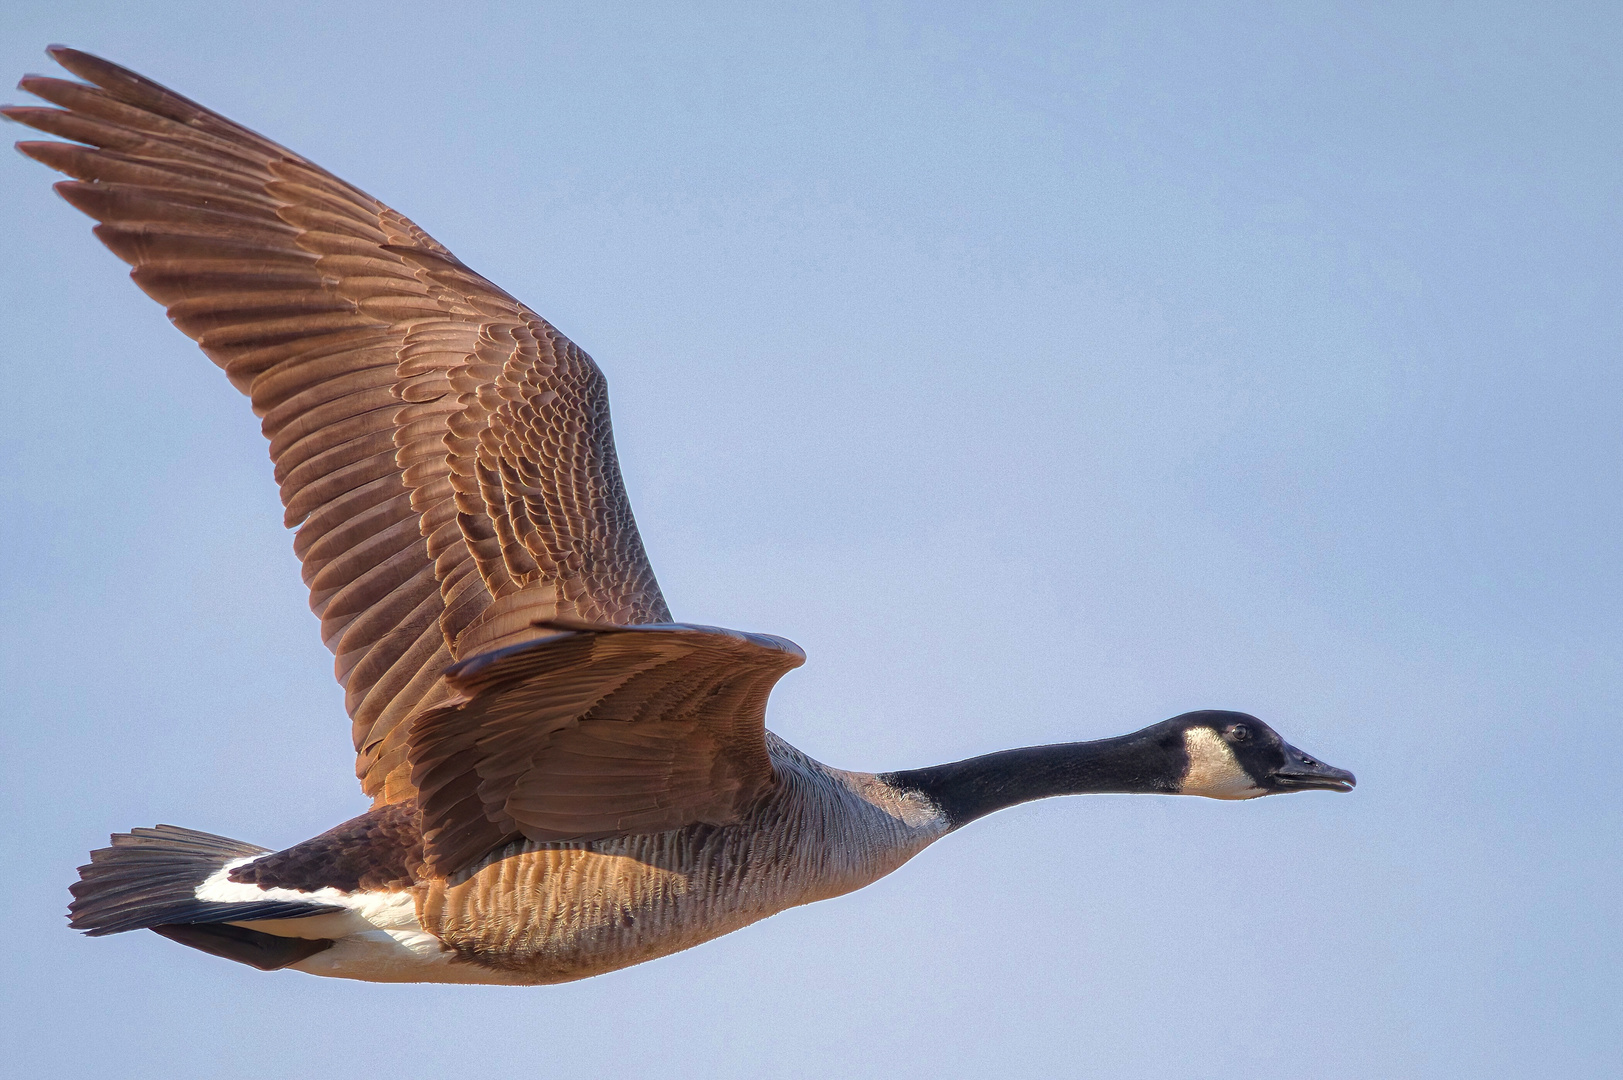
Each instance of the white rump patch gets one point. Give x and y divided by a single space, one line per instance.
1213 769
363 910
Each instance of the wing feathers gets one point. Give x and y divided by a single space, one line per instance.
345 424
580 737
130 87
352 529
443 451
298 474
302 501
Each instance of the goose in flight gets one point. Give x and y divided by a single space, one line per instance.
565 781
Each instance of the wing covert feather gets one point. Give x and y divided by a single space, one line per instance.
595 733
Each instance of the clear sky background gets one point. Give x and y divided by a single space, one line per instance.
1043 374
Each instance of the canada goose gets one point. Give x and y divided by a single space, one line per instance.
564 780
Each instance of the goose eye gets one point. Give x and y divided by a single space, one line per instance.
1239 733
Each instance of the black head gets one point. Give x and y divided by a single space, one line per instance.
1236 756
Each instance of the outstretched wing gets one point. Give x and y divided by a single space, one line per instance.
596 733
445 453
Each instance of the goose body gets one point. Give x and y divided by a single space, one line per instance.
564 780
544 912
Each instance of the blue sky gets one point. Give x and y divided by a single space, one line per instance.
1042 374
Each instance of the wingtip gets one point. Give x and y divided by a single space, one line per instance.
74 59
112 77
57 53
63 54
34 149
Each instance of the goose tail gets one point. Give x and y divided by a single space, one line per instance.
155 879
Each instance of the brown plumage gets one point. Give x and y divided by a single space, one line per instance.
596 734
564 781
444 452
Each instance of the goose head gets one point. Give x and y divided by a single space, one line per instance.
1232 755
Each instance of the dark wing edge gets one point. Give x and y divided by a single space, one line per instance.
445 453
593 734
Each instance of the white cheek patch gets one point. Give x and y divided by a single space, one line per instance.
1213 770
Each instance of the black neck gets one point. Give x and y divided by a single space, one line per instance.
1145 762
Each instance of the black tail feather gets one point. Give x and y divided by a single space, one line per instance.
149 878
267 952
